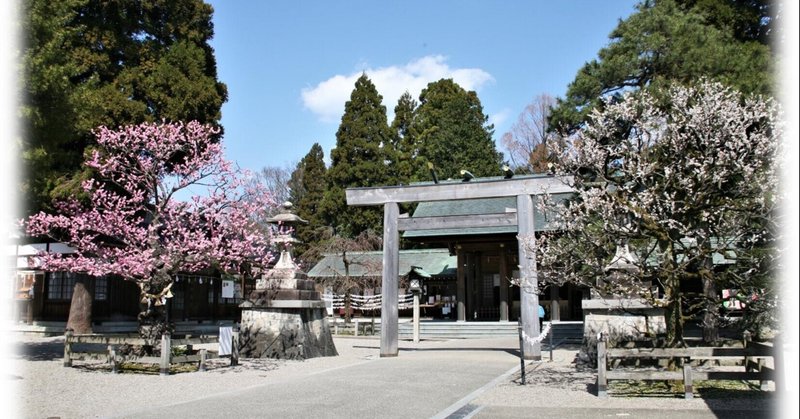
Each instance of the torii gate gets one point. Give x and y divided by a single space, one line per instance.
523 188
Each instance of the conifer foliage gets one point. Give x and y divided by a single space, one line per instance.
667 42
404 147
452 132
358 160
89 63
308 189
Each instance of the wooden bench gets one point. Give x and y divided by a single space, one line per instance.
357 325
106 348
697 363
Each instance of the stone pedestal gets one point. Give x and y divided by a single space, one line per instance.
621 320
285 323
294 331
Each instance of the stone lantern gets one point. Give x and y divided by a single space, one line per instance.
624 316
284 317
622 265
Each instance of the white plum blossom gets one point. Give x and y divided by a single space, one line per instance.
680 182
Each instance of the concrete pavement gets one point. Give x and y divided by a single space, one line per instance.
420 382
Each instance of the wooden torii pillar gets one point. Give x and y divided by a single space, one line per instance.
523 188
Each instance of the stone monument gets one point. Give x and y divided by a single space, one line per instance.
284 317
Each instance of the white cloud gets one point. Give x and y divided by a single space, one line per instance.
327 99
500 117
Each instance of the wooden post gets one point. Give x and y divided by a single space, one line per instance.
391 256
235 348
602 382
503 285
461 287
203 357
68 348
521 354
763 384
687 380
166 353
777 366
112 359
416 317
529 279
555 307
746 338
355 323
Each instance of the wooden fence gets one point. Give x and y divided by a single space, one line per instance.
698 363
106 348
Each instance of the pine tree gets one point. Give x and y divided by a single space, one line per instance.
452 132
665 43
358 160
88 63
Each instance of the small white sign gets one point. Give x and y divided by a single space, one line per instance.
227 289
225 338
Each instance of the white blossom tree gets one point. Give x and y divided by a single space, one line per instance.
679 183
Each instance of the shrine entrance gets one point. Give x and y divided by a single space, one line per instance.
474 292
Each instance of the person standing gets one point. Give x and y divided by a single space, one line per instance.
541 317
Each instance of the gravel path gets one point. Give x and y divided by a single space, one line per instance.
46 389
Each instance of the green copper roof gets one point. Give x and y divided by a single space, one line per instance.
434 262
477 207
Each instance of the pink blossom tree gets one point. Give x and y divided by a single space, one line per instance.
163 201
675 200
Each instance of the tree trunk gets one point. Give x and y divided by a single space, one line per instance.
673 315
153 321
347 306
80 309
711 312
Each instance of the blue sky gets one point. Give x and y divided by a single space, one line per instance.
291 66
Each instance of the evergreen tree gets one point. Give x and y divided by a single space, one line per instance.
452 132
404 146
307 190
665 43
89 63
358 160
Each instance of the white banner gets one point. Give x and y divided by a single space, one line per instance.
227 289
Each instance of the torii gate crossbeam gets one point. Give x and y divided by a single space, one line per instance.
523 188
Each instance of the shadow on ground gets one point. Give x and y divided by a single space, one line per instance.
514 352
40 351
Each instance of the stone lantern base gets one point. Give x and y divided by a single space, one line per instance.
286 329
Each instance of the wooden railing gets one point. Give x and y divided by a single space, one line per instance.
106 348
749 364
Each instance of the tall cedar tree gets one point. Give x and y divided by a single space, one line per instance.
665 43
89 63
452 132
404 146
308 189
358 160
